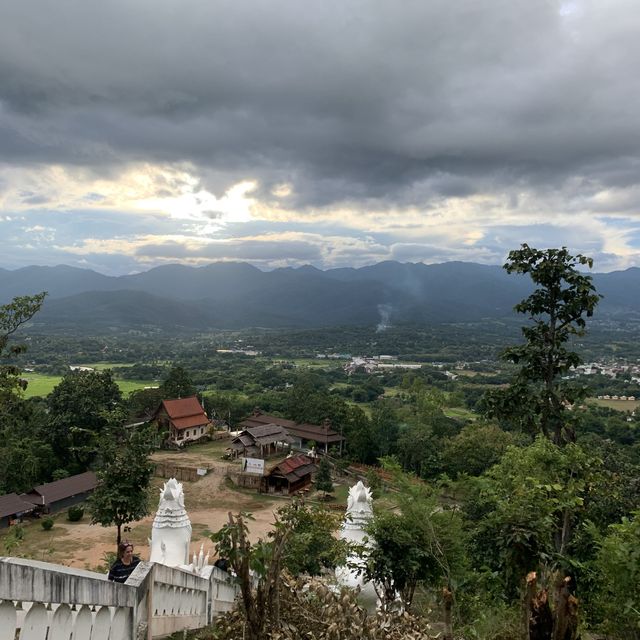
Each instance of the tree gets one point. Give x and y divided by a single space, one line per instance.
178 384
324 482
525 509
78 407
538 397
258 564
617 567
476 448
12 316
25 460
312 546
417 542
124 476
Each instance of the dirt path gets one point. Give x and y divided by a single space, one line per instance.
208 502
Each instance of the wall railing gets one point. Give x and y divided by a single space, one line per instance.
52 602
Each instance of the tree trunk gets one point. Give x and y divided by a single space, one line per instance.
538 618
566 612
447 597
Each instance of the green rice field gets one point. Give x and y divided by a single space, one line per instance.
42 385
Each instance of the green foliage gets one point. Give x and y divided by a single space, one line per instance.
177 385
46 523
122 494
525 508
24 458
75 513
617 567
79 407
536 400
14 539
311 545
323 480
417 543
476 448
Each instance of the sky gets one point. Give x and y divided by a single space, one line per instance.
135 133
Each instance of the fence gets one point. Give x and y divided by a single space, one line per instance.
167 470
50 601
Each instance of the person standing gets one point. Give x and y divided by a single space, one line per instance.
126 562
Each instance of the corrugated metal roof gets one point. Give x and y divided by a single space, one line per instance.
11 503
61 489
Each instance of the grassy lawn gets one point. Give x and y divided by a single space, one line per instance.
42 385
618 405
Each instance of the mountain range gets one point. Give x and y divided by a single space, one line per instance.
238 295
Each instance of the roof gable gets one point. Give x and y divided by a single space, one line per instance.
183 408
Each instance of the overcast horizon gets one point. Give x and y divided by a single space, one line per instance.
280 133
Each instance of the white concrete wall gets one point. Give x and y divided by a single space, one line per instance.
50 601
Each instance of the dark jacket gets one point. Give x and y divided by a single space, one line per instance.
119 572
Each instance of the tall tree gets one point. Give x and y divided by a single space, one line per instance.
78 408
24 459
124 476
324 482
12 316
178 384
538 397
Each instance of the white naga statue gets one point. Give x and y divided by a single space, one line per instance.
359 512
171 532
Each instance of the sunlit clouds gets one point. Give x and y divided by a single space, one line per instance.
134 134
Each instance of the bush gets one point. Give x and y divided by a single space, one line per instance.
74 514
46 523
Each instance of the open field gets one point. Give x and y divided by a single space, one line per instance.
460 413
42 385
618 405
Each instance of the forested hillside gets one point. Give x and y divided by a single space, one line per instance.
237 295
509 501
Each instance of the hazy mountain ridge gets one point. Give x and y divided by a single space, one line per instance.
238 295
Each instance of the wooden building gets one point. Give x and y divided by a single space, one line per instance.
261 441
183 420
302 433
58 495
13 507
291 475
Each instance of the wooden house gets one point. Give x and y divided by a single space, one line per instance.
291 475
12 508
58 495
182 420
302 433
261 441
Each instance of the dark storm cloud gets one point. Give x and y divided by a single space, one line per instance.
352 100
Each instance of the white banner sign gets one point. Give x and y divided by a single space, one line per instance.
253 465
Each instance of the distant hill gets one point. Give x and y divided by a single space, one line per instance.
237 295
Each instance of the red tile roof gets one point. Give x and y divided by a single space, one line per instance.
185 413
294 467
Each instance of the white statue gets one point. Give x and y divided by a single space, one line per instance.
171 530
359 513
359 502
